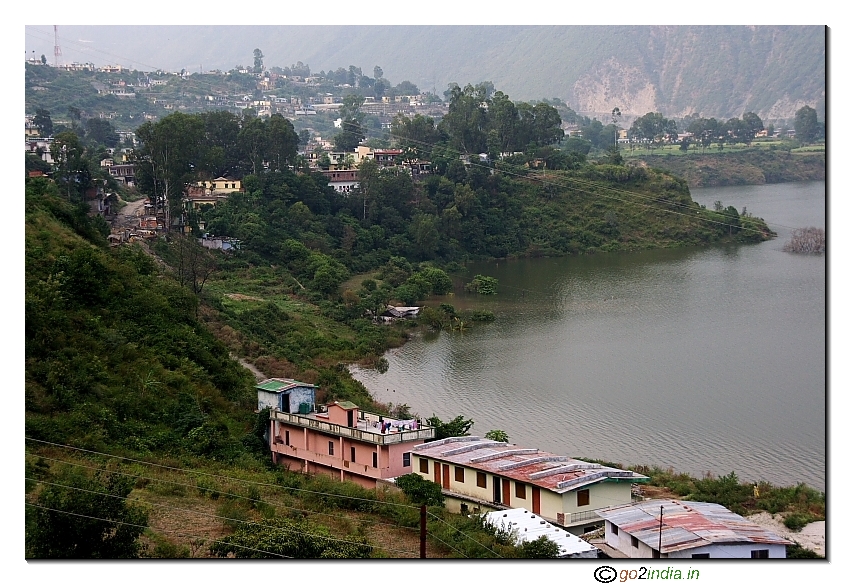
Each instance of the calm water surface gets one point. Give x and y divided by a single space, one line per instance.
704 360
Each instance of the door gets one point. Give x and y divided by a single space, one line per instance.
284 403
438 475
497 489
446 476
350 418
535 500
506 492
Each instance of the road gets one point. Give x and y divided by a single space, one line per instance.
128 217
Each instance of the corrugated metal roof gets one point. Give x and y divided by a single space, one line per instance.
529 527
686 525
540 468
276 385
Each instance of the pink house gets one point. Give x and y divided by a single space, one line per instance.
338 439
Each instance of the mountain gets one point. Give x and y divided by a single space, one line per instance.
716 71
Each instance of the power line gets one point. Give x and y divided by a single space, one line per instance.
210 490
148 527
219 475
251 522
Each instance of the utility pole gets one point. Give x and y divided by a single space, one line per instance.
660 524
423 512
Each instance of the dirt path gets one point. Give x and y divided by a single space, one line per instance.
260 376
128 217
812 537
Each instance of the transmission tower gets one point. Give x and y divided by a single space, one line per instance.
57 52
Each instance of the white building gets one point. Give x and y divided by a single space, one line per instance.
687 530
527 526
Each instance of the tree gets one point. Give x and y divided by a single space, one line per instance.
420 490
42 121
752 125
100 131
379 73
258 61
73 173
79 517
168 159
466 121
806 125
539 548
195 263
457 427
497 435
653 127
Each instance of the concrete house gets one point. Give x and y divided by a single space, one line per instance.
688 530
337 439
477 473
526 526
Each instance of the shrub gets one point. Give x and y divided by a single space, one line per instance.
421 491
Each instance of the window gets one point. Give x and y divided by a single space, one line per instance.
375 459
287 438
405 459
634 542
458 474
760 554
482 479
615 529
701 556
583 497
423 466
352 453
330 448
520 490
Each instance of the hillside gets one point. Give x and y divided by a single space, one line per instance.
717 71
734 168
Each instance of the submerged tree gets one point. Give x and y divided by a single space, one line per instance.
808 240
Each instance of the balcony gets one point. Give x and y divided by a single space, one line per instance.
363 432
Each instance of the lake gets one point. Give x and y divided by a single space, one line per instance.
703 360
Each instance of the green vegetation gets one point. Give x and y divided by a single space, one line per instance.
800 504
755 165
421 491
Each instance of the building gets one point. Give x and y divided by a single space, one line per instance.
338 439
688 530
526 526
343 181
124 173
222 185
481 473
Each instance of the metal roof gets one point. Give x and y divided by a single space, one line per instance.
686 525
276 385
540 468
529 527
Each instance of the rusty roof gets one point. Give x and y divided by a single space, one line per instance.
687 525
543 469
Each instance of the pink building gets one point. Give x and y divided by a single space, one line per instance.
337 439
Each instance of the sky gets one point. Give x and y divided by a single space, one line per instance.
434 12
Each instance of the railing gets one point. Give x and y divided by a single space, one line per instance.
353 432
582 516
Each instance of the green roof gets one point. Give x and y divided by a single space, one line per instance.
347 405
277 385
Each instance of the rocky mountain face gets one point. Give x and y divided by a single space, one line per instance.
716 71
